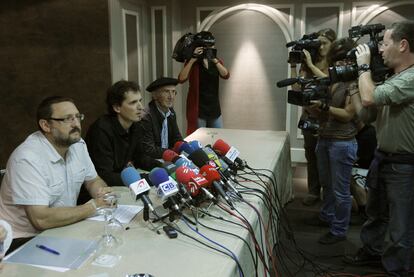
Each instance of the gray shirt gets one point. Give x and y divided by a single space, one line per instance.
37 175
395 113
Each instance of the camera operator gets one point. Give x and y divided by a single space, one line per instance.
309 69
336 148
203 70
390 179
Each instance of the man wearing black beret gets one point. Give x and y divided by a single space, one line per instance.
159 126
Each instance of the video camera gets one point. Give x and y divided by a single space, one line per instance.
309 42
185 46
350 72
311 89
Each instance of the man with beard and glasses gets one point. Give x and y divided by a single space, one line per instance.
45 173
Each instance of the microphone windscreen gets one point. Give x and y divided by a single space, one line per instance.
195 144
221 147
199 157
184 174
169 155
187 148
170 167
130 175
158 175
177 146
210 173
286 82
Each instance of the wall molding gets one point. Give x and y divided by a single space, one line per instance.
163 10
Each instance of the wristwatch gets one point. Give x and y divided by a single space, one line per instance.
364 67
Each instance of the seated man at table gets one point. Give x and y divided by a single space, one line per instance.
114 140
44 174
159 126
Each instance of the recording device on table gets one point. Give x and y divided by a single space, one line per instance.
379 71
309 42
184 48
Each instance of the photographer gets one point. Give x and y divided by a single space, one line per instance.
309 69
336 148
203 70
390 203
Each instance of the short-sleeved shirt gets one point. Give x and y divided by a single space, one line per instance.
37 175
395 116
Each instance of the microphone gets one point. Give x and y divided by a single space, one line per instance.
166 187
195 144
171 170
230 153
195 183
169 155
177 146
183 161
132 179
211 174
222 169
186 149
286 82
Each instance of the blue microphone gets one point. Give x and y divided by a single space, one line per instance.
139 186
166 186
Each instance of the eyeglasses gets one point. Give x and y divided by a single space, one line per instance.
166 91
69 118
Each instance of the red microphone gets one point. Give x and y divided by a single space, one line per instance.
213 177
194 183
221 147
177 146
169 155
229 153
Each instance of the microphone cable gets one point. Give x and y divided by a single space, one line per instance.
231 255
251 232
319 270
237 236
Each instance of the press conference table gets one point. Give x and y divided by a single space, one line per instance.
145 251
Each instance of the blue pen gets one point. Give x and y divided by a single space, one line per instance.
50 250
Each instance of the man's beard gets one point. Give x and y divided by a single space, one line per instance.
67 141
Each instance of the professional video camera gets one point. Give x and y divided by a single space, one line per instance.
309 42
185 46
311 89
350 72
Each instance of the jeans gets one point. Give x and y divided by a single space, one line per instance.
210 123
390 207
335 159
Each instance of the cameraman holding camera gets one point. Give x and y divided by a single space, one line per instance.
337 147
391 176
313 67
203 70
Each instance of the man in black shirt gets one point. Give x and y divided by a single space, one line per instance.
114 140
159 126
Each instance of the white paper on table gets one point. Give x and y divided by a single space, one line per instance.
123 213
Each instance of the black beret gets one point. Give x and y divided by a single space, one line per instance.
161 82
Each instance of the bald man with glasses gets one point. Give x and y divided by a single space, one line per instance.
45 173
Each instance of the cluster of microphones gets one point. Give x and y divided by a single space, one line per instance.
190 175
